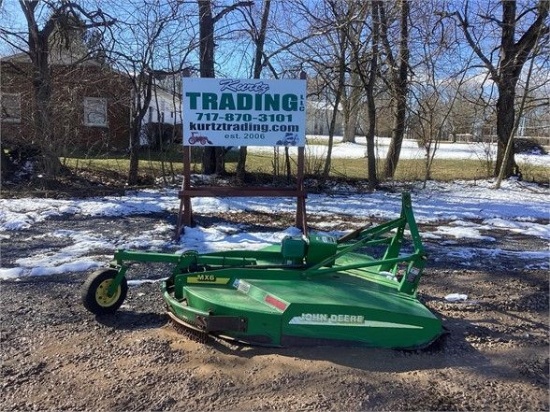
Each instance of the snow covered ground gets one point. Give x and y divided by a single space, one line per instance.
460 210
410 150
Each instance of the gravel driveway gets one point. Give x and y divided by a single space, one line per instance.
57 356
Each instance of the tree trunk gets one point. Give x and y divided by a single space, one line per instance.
134 157
208 161
398 133
371 154
513 55
332 126
220 160
42 88
399 87
371 103
206 34
43 126
352 108
258 66
143 87
6 164
241 164
506 111
506 114
340 87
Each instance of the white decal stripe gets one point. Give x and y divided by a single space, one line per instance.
298 320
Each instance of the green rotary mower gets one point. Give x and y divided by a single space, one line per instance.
360 289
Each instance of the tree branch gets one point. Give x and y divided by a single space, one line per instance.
229 9
463 22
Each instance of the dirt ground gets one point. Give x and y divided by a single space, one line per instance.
57 356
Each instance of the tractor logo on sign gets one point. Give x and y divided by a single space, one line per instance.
198 139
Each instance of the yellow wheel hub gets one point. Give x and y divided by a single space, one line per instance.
101 294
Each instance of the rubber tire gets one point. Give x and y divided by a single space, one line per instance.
90 287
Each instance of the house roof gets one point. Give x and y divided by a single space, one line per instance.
66 59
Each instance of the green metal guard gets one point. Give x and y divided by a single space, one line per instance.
307 290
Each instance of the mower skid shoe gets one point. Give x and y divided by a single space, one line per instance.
191 331
225 323
212 323
207 324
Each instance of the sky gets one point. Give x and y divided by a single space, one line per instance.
462 210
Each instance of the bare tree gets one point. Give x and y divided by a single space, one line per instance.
340 46
327 51
370 84
36 44
258 37
509 145
142 39
520 31
398 69
352 101
213 157
288 30
436 83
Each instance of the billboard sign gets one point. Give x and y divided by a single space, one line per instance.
243 112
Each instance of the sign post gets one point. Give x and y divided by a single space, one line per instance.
242 112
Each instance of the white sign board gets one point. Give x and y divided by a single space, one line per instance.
239 112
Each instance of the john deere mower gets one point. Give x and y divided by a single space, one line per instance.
360 289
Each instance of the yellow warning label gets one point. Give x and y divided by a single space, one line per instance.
205 278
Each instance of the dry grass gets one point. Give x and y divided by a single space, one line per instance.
156 165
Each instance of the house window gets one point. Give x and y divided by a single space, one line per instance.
11 107
95 111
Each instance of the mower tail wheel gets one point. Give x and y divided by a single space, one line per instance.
95 295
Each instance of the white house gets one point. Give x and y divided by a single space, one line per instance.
165 107
163 120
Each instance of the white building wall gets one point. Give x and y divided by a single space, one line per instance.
164 108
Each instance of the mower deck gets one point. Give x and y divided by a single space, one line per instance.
360 289
339 308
